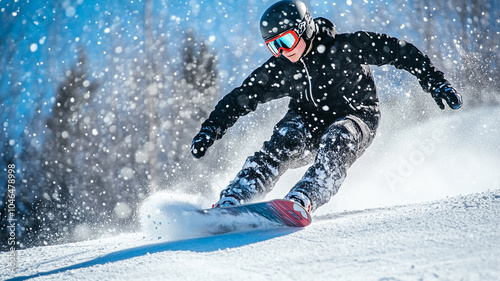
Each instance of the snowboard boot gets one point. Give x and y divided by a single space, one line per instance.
226 201
301 199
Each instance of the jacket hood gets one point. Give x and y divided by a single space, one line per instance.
325 28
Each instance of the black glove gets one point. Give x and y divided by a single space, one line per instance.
202 141
449 94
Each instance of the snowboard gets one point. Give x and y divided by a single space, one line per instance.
263 215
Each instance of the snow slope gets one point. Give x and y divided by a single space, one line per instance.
456 238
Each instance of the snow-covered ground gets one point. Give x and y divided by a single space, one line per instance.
423 203
457 238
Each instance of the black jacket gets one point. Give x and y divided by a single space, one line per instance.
330 82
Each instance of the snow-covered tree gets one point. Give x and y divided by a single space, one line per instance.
67 153
192 98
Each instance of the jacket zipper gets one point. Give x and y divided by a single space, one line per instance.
310 84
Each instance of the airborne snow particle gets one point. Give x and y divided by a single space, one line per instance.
82 232
122 210
127 173
33 47
321 49
70 12
141 157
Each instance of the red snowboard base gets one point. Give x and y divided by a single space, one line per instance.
262 215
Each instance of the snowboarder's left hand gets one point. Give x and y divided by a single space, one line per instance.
447 93
202 141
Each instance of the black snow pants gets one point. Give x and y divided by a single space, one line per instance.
300 139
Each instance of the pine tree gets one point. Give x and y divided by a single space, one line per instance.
62 169
191 101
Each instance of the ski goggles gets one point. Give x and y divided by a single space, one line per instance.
283 42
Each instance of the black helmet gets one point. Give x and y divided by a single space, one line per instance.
285 15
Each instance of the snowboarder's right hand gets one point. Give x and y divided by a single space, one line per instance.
202 141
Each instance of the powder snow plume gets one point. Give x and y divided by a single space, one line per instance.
168 217
161 215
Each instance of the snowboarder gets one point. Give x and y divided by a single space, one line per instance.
333 112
